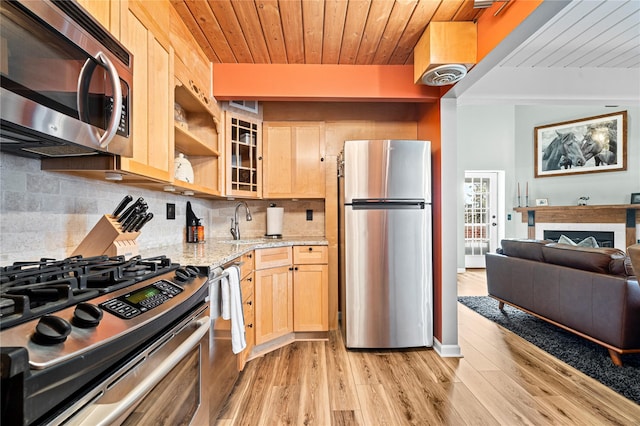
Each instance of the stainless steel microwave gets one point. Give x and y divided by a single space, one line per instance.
67 83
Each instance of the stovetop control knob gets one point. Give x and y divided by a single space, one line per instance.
51 330
194 271
183 275
86 315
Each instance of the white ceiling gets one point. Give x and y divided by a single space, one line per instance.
566 52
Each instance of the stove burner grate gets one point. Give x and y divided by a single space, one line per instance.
31 289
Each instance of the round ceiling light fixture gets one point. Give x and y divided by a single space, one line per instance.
444 75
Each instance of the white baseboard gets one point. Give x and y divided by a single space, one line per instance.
447 351
462 270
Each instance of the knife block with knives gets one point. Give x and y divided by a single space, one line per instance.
107 237
115 234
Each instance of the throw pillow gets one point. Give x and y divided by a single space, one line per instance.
587 242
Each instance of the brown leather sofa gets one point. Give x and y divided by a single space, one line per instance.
591 292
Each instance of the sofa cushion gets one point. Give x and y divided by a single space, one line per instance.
524 249
586 258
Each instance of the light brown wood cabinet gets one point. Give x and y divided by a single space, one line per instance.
243 134
310 288
273 294
246 262
293 165
197 136
106 12
247 289
191 55
291 291
152 128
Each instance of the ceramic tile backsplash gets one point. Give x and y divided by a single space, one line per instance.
45 214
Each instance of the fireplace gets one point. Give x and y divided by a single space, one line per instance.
603 238
619 219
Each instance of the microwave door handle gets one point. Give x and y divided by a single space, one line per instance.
83 89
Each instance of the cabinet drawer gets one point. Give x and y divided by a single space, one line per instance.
247 264
249 329
273 257
310 255
246 287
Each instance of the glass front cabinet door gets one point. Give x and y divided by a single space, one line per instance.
244 156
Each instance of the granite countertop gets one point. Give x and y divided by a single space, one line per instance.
219 251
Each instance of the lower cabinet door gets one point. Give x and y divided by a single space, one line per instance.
273 303
310 298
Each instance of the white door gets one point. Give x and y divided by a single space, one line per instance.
480 216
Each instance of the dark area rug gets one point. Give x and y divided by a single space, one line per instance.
588 357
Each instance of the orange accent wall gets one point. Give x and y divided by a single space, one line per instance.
493 29
429 129
309 82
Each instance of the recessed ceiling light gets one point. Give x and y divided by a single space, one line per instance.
113 176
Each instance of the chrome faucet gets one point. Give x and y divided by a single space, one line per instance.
235 226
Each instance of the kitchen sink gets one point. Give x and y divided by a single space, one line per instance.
245 241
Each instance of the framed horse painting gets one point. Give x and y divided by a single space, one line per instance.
587 145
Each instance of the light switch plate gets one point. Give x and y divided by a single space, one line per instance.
171 211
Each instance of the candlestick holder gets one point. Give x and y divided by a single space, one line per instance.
519 203
526 201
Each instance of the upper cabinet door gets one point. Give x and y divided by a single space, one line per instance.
294 165
106 12
152 94
244 155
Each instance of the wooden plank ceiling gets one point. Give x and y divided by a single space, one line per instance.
353 32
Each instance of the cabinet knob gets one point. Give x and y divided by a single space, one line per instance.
291 268
249 279
250 325
295 269
250 255
260 158
310 248
249 303
321 158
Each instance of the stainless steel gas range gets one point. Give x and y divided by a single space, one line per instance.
104 340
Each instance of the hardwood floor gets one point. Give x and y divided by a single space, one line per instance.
501 380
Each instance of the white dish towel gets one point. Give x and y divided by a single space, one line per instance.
232 308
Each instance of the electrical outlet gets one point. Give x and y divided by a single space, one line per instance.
171 211
309 214
509 216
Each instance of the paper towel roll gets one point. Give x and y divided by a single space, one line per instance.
274 220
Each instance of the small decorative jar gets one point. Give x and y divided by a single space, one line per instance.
183 169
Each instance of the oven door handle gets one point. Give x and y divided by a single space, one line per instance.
106 414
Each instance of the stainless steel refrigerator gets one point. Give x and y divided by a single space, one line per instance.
386 298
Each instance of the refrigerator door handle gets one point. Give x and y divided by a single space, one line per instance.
388 204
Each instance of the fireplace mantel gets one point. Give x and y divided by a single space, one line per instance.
614 213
